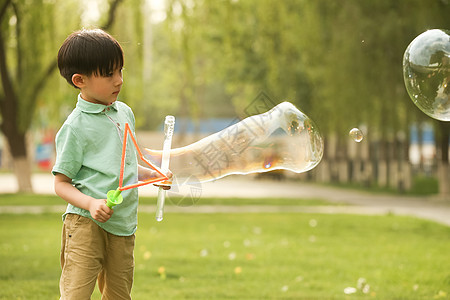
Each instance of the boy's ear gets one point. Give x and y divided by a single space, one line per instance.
78 80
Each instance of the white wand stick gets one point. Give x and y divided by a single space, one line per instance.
169 125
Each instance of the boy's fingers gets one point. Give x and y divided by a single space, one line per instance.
103 217
165 187
103 213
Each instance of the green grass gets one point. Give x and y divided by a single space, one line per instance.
239 201
30 199
421 186
247 256
33 199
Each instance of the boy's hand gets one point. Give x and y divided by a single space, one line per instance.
99 211
97 207
146 173
164 186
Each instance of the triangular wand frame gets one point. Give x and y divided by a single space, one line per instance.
122 165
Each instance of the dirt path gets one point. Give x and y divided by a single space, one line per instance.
431 208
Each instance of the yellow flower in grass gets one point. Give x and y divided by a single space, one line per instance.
162 272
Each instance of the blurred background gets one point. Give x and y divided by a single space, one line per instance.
207 61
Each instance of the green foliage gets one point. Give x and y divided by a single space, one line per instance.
339 62
247 256
30 38
423 185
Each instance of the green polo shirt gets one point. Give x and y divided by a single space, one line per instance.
89 151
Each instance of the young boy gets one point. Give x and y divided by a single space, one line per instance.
97 242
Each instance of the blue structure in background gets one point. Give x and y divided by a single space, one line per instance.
204 126
427 134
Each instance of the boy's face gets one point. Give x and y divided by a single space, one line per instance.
102 89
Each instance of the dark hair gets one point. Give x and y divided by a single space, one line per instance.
87 52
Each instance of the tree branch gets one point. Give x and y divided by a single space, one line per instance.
111 14
40 84
8 100
19 42
3 9
4 74
53 64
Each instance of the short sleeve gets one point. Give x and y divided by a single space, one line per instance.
133 120
69 152
130 117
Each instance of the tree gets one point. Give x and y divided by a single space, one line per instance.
339 62
25 66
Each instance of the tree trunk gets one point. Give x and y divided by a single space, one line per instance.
22 171
21 163
10 126
444 179
443 160
10 104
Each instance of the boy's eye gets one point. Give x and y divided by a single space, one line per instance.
111 74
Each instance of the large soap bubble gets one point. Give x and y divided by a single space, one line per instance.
426 71
282 138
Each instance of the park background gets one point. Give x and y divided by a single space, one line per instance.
207 62
210 63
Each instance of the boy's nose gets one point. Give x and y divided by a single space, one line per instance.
119 80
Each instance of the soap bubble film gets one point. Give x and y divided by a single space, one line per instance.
426 71
283 138
356 134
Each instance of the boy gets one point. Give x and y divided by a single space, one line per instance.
97 242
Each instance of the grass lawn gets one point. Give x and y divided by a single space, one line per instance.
248 256
35 199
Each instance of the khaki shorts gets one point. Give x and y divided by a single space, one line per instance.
88 254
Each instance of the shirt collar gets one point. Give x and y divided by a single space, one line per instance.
93 108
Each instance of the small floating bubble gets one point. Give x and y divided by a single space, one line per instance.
356 135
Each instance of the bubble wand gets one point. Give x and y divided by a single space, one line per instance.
169 125
283 138
114 197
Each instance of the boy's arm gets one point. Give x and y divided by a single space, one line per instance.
97 207
146 173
